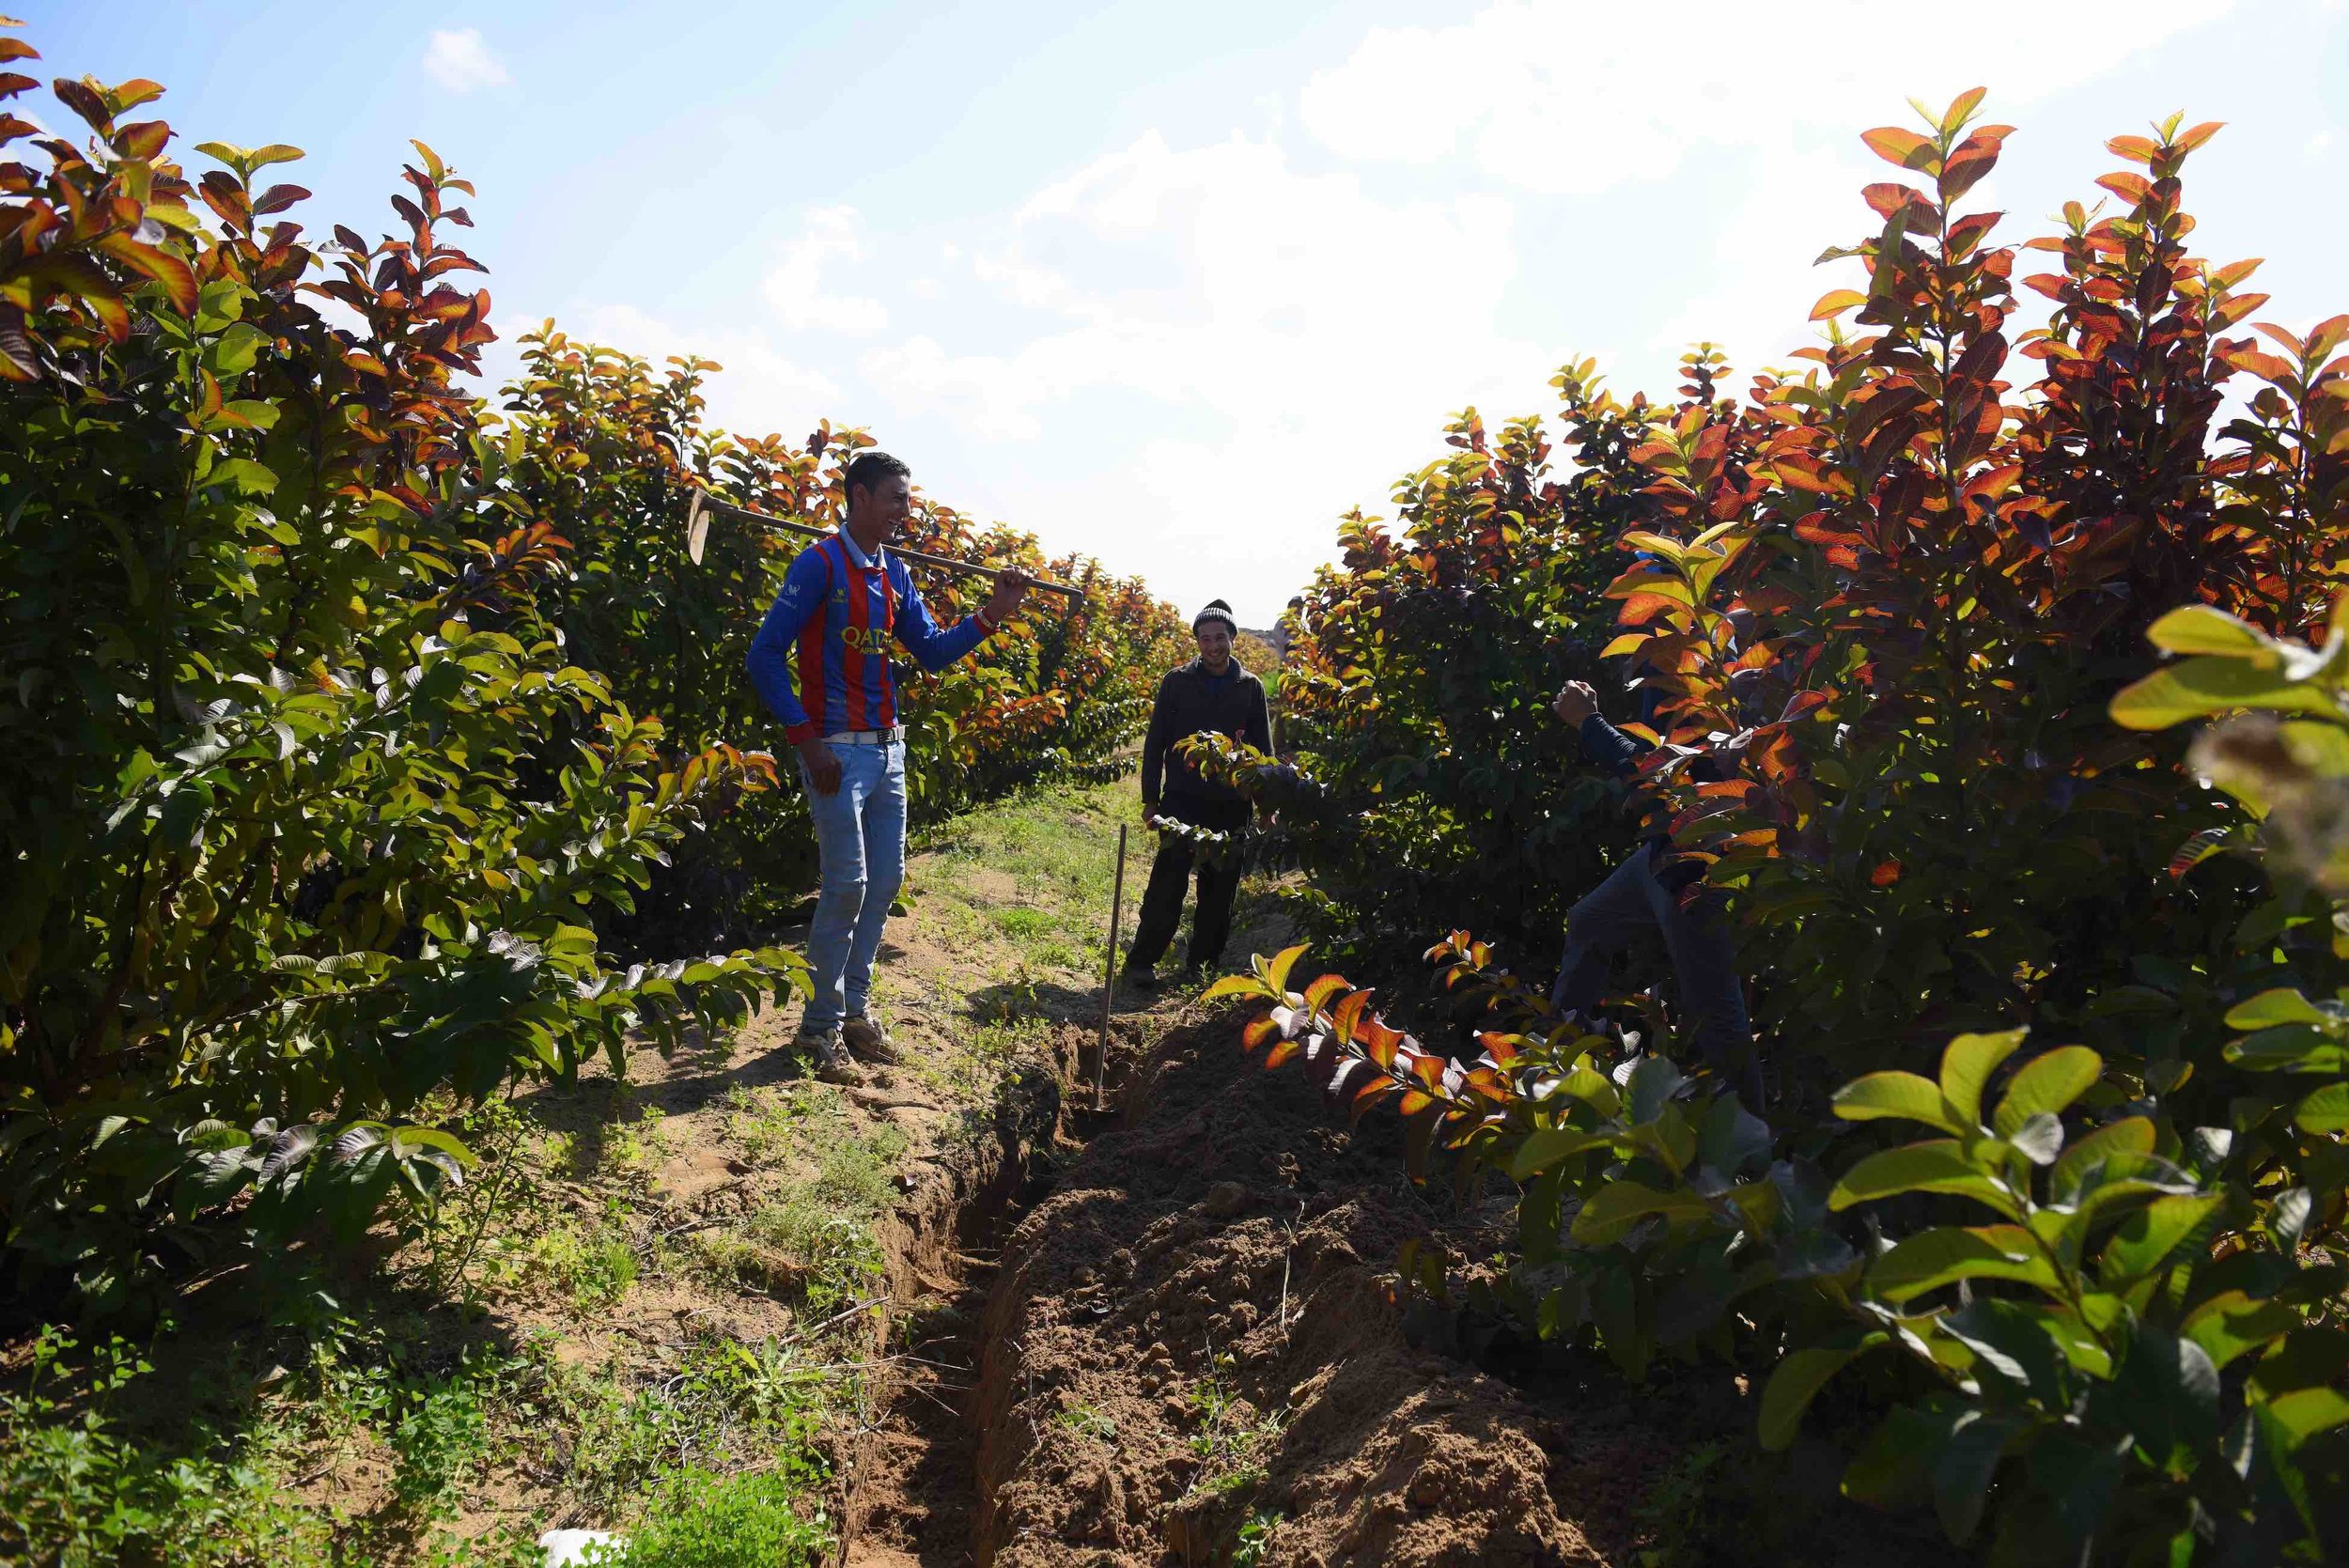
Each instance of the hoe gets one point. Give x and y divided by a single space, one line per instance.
697 538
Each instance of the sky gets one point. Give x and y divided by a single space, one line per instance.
1177 286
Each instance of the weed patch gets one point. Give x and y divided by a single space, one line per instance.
717 1521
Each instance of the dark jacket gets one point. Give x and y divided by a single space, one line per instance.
1190 700
1611 750
1616 752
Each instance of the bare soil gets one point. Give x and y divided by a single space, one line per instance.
1193 1344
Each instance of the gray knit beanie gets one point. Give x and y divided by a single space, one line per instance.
1216 610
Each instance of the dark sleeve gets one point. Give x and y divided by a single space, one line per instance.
1609 748
1258 731
1154 745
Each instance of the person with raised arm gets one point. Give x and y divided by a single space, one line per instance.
843 600
1645 895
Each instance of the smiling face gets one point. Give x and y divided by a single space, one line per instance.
878 511
1215 645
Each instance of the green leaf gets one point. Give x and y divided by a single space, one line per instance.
1545 1146
2197 629
1936 1166
2131 1135
1903 1095
212 1178
1239 985
2288 1216
236 349
1650 1090
1593 1087
1961 1471
2041 1139
1797 1380
1931 1259
1966 1064
2049 1082
1733 1137
2306 1412
2150 1236
1657 545
2231 1323
2164 1394
407 1139
2327 1111
1609 1215
2289 1048
2280 1005
1277 977
249 478
2199 687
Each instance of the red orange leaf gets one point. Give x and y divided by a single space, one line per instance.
2200 847
1317 995
1835 302
176 277
1973 158
2201 133
1962 106
1347 1016
1903 148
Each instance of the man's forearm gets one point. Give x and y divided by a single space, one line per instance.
1609 748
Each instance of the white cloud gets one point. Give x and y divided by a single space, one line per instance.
760 392
795 287
1578 99
1301 336
460 62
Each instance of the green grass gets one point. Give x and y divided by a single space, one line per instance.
443 1435
1089 1421
727 1404
591 1263
717 1521
78 1490
1003 1040
1057 847
817 1240
1233 1441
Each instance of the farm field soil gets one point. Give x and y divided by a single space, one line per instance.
1192 1354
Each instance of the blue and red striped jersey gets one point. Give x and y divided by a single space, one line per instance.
829 631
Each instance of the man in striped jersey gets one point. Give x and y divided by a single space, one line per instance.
843 600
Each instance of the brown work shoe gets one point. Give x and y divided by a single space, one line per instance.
868 1041
833 1064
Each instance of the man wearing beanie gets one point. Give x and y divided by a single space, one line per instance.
1211 692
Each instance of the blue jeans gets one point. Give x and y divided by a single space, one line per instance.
861 842
1712 1002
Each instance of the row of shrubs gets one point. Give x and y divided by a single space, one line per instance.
1910 600
364 746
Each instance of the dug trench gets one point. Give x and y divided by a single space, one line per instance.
1178 1341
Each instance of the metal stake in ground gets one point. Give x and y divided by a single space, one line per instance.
1109 973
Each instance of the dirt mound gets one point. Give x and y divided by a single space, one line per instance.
1192 1349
